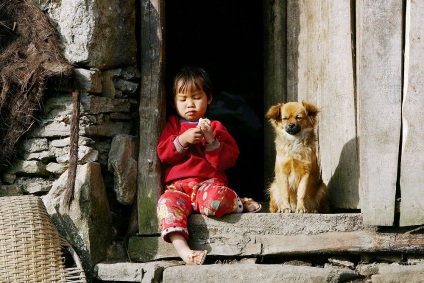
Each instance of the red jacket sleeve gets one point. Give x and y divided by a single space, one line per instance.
167 152
224 153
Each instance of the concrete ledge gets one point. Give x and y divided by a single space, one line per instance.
248 271
400 273
132 272
220 273
274 224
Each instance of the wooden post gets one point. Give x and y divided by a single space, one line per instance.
321 70
275 72
412 162
379 73
152 114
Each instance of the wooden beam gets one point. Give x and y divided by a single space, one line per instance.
152 113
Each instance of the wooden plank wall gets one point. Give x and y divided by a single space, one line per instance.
310 56
152 114
412 161
321 70
379 80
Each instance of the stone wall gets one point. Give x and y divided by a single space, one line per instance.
99 40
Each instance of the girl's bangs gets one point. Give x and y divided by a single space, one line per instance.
187 85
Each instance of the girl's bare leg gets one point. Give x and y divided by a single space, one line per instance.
180 244
187 255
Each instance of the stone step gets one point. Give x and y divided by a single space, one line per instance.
264 247
170 272
271 234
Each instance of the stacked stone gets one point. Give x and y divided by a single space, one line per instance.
108 110
99 40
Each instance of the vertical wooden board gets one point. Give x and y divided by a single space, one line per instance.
293 51
325 76
379 67
275 73
311 45
152 114
337 127
412 160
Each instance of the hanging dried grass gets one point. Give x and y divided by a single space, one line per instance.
30 56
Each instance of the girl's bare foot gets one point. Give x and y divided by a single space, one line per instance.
189 256
196 257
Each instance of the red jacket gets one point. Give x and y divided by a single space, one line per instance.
198 160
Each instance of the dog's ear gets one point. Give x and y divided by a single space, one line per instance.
311 110
274 113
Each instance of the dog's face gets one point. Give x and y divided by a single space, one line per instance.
293 117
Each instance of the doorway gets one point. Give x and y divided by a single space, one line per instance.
226 39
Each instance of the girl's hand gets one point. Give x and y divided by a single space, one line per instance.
205 126
191 136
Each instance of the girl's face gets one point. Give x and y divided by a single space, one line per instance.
191 103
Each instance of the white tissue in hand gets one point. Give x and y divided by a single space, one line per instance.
204 122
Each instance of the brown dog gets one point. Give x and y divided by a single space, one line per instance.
297 186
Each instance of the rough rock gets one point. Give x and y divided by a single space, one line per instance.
89 80
10 190
66 142
96 104
34 145
399 273
23 167
99 34
87 225
124 166
86 154
132 272
56 168
34 185
108 129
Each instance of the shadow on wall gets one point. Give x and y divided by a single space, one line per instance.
343 186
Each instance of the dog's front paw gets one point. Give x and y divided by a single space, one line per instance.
284 209
301 209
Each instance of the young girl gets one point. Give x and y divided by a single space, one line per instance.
195 152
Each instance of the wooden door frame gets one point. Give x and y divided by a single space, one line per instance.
152 111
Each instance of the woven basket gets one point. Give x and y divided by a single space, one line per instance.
31 248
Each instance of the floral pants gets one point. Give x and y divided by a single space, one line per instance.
181 198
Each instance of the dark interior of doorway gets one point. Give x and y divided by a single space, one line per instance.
226 39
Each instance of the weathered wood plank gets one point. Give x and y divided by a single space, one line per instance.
152 114
342 242
275 73
379 73
322 71
412 160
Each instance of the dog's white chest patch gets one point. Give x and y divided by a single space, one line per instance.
297 150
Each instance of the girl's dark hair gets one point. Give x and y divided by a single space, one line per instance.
189 76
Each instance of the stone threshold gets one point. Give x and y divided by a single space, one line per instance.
248 271
246 239
269 234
